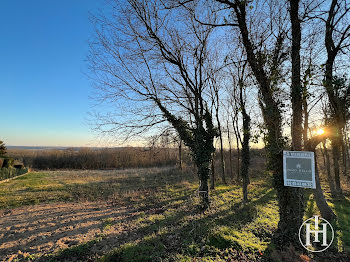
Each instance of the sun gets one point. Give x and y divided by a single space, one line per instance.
320 131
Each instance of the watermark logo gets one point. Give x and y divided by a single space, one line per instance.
317 232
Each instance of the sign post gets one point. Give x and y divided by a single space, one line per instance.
299 169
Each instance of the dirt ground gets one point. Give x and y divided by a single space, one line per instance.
92 212
43 229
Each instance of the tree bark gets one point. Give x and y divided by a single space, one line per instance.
296 89
230 151
212 172
203 174
290 201
238 163
222 160
328 168
345 157
245 155
336 144
200 141
326 211
306 119
321 202
180 154
245 143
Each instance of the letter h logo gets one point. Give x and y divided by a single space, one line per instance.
316 232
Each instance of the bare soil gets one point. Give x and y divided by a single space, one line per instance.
46 228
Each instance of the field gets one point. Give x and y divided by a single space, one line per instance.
145 215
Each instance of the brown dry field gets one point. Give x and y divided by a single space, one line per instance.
49 227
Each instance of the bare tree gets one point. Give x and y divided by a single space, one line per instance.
229 147
212 171
240 81
154 70
215 89
246 135
237 134
337 38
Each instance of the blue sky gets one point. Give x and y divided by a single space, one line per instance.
44 93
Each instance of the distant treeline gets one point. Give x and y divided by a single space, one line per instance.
87 158
125 157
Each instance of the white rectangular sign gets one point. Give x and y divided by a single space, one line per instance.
299 169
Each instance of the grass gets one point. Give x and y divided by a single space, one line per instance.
53 186
33 188
68 253
228 230
166 225
341 207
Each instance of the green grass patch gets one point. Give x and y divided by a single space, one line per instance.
149 250
33 188
79 252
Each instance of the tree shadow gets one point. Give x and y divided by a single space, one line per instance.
184 232
342 227
338 251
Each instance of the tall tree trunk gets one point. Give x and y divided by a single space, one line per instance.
344 154
203 174
222 160
306 118
296 89
336 144
347 146
180 154
230 150
212 172
245 155
245 143
202 158
321 202
236 131
291 200
238 164
328 168
326 211
347 152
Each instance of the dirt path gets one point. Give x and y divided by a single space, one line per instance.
43 229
